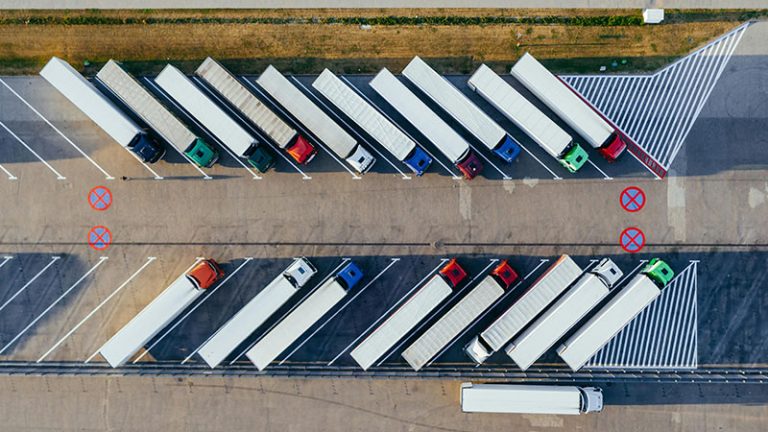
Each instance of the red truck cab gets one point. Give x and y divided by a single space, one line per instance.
505 274
614 147
302 151
471 166
205 274
453 273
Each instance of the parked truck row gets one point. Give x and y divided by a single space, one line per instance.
217 89
540 317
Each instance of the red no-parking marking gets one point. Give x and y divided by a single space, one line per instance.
632 239
99 237
632 199
100 198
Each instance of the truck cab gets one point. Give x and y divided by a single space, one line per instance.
418 161
453 273
659 272
470 166
149 151
591 399
349 276
202 153
477 350
261 158
300 271
361 160
205 274
574 158
607 271
613 148
508 149
301 150
504 274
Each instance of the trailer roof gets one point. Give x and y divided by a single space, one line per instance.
523 399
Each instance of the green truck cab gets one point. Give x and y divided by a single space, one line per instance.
659 272
262 158
202 153
573 158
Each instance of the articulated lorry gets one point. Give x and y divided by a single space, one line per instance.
546 133
304 316
160 312
450 143
248 319
213 118
616 314
145 105
408 315
87 98
372 122
530 399
318 122
567 311
542 292
570 106
255 111
461 315
466 113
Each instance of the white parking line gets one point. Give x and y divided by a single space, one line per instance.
197 305
96 309
487 311
247 123
5 260
357 90
34 153
393 262
338 118
435 313
61 297
605 176
554 175
29 282
328 276
8 173
301 127
203 128
442 261
108 176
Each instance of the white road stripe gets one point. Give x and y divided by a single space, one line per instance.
29 282
58 175
8 173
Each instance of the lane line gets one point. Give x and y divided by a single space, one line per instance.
605 176
58 174
5 260
29 282
442 261
8 173
192 309
87 317
331 274
61 297
393 262
236 113
353 130
108 176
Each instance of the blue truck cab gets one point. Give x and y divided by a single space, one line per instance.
148 150
508 149
418 161
349 276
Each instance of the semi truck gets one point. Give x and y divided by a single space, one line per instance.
145 105
210 115
616 314
372 122
229 87
461 109
541 293
530 399
248 319
567 311
87 98
306 314
461 315
546 133
160 312
570 106
450 143
313 118
408 315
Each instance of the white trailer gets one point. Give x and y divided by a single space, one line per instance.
304 316
466 113
255 111
551 137
615 315
450 143
317 121
87 98
210 115
159 313
567 311
404 319
530 399
544 291
153 113
461 315
372 121
248 319
564 101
